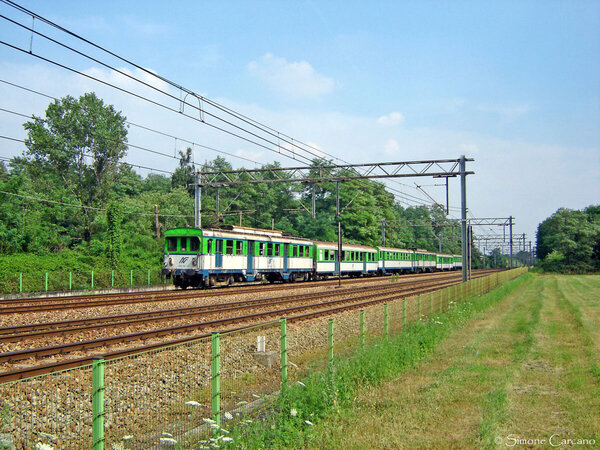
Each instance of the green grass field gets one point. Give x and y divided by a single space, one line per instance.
518 367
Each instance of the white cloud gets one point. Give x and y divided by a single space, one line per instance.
391 147
294 80
391 119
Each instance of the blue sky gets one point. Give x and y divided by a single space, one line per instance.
516 85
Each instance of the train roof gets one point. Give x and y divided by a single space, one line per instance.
345 246
392 249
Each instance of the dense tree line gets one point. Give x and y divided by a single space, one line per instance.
569 240
73 197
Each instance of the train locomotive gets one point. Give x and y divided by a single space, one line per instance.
215 256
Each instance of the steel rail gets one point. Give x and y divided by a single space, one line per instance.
19 355
36 370
20 333
101 302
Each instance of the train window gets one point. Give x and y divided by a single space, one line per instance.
238 247
228 247
269 249
325 254
261 249
194 244
171 244
219 248
276 249
305 251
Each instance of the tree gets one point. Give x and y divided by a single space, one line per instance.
184 174
567 240
80 142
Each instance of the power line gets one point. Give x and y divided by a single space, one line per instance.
239 116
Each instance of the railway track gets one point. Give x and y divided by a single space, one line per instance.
46 304
351 299
21 333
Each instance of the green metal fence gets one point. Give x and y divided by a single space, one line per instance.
61 281
195 391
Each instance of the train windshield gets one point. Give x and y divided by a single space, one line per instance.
171 244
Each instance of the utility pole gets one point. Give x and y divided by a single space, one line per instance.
197 203
337 214
217 208
463 208
314 203
511 242
156 224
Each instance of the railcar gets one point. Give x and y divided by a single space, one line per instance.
457 262
444 261
356 259
424 261
395 260
204 257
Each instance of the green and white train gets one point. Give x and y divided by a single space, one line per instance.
205 257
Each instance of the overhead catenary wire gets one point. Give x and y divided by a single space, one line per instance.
239 116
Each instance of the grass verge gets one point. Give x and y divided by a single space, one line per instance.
289 421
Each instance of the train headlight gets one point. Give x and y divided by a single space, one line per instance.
194 262
170 261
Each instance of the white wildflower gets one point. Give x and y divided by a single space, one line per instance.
243 402
127 438
208 421
247 421
293 412
193 403
48 436
167 441
255 396
165 434
41 446
228 416
227 439
308 422
301 383
214 426
223 430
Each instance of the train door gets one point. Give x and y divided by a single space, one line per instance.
250 268
285 257
364 258
219 254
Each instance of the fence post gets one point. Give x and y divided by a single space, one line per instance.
46 281
70 280
362 329
419 307
403 312
131 278
216 381
112 278
148 277
430 303
20 282
92 281
284 362
441 299
386 329
330 341
98 403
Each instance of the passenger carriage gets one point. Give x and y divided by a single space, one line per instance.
204 257
445 262
424 261
395 260
356 259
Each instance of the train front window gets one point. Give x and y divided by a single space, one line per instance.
194 244
171 244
